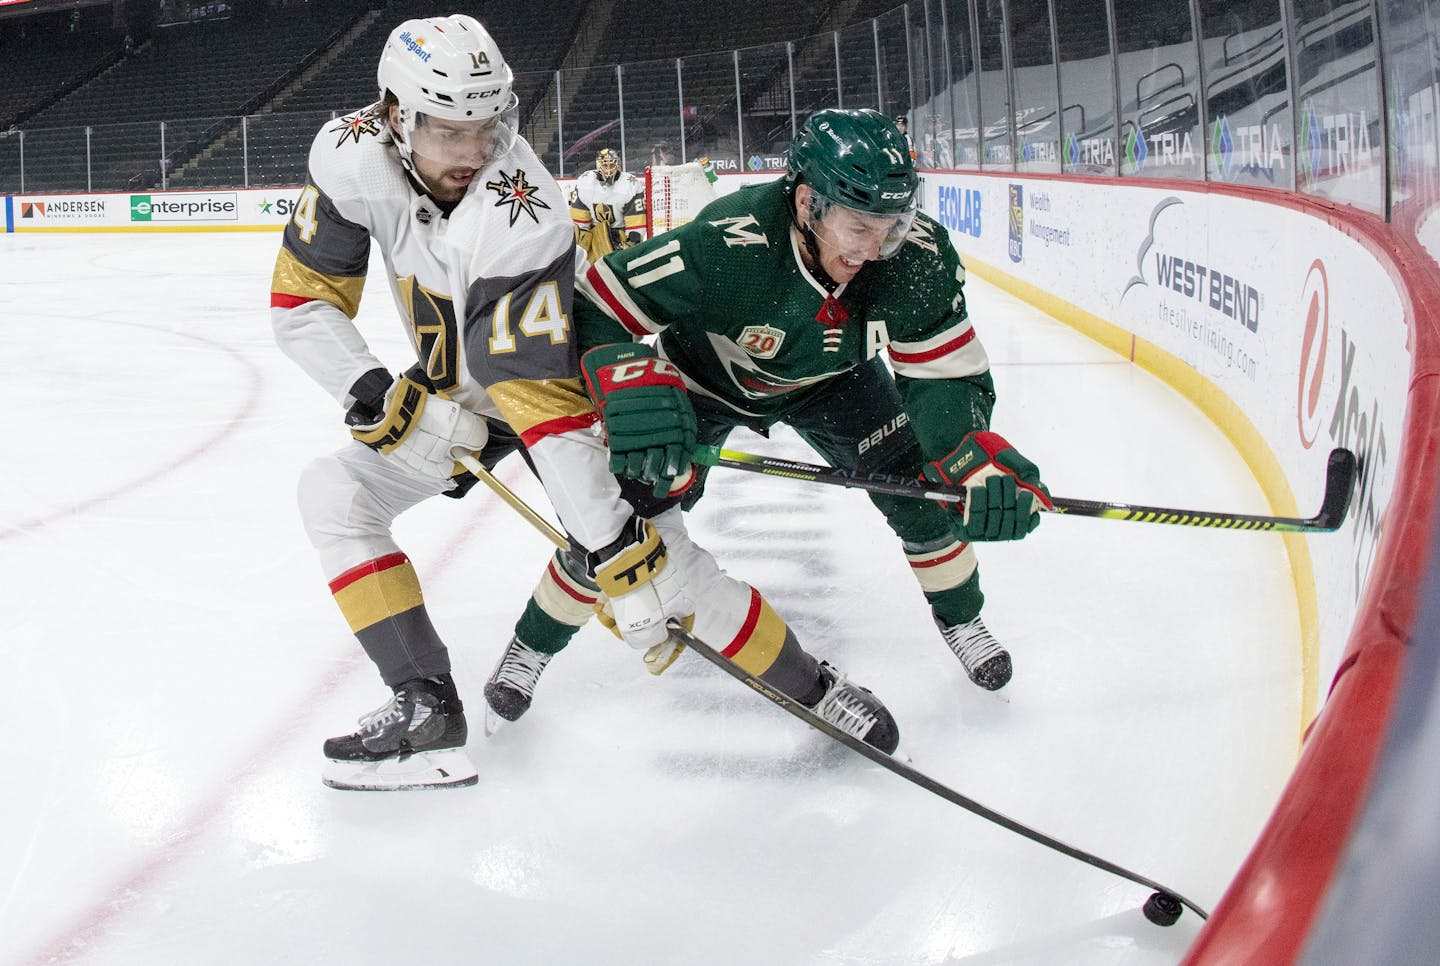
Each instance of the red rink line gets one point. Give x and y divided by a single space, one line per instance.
91 925
204 447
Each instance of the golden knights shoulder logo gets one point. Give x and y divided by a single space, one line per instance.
356 126
516 191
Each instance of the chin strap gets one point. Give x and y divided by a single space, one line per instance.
832 314
812 248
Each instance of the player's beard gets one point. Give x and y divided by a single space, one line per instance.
449 185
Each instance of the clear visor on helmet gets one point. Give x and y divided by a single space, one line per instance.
460 144
858 235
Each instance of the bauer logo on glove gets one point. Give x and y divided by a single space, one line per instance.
1003 492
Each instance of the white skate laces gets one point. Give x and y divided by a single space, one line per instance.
520 668
376 724
415 739
512 684
845 707
984 659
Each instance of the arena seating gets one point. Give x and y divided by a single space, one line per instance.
42 58
237 101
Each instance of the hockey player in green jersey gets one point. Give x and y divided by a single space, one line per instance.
773 306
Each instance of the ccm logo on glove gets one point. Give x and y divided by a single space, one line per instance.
655 372
1003 491
649 422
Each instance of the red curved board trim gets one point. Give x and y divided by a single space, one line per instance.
1268 910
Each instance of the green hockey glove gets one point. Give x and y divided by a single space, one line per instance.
649 422
1003 492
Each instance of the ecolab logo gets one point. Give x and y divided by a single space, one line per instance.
960 210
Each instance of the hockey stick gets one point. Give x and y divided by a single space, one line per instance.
504 492
1339 487
918 777
1165 902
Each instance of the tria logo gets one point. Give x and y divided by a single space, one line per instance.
32 209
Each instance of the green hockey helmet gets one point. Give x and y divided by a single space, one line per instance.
858 160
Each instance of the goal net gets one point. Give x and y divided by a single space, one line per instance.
674 194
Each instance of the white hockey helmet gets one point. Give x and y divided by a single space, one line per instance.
448 69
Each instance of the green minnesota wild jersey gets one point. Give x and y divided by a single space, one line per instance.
734 307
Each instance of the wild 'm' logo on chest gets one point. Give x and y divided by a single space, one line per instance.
761 341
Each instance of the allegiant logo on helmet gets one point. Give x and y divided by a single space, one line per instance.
417 47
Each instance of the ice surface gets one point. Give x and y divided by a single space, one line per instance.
173 662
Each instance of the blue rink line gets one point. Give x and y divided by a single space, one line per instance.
9 214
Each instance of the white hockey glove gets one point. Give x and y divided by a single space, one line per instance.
418 429
644 589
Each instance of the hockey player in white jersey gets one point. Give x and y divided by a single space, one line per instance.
480 258
481 261
608 207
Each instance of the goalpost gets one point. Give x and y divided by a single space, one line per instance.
674 194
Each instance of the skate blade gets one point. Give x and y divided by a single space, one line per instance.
493 722
450 768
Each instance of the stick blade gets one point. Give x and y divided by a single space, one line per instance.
1340 476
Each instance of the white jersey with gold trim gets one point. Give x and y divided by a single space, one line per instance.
485 294
591 191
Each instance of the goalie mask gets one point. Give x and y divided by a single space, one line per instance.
863 186
457 106
607 165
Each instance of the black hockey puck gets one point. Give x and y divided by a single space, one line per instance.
1163 909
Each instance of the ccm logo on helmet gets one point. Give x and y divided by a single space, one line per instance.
894 194
476 95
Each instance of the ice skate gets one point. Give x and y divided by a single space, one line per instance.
414 740
512 684
856 711
987 663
